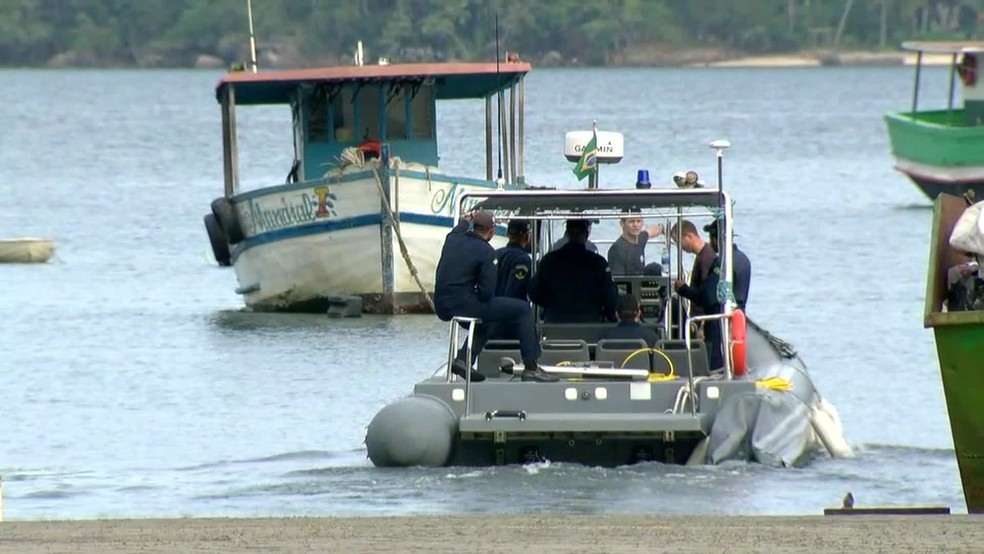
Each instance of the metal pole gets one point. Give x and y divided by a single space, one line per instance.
488 138
252 41
521 130
953 74
915 86
504 138
512 134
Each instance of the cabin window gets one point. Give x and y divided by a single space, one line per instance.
368 120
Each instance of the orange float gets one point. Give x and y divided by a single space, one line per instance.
738 353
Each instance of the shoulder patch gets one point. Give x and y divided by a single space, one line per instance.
521 272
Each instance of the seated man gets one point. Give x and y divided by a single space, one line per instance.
464 286
627 255
628 326
573 284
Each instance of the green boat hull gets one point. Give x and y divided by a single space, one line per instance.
940 151
960 349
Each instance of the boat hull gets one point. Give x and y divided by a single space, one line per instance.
938 152
609 422
309 243
959 338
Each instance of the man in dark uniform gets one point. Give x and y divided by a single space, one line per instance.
627 255
588 244
573 284
514 261
628 326
464 286
741 267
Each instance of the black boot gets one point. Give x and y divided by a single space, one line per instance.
459 369
532 372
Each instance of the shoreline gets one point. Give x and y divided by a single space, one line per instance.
601 533
647 59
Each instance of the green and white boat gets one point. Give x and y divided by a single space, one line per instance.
942 150
960 348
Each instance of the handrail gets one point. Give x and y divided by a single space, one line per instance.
453 354
686 333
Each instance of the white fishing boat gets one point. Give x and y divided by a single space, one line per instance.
366 205
26 250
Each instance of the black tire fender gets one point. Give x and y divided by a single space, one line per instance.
225 213
217 237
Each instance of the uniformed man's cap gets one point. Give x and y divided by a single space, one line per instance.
518 226
483 220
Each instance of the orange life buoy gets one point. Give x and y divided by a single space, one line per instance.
967 68
371 147
738 328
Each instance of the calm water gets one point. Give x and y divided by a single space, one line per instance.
134 385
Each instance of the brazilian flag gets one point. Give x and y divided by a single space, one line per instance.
589 158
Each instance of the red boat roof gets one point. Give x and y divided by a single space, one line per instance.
453 80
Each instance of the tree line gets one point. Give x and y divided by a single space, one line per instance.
179 33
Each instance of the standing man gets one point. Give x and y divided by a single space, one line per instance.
573 284
465 285
588 244
627 255
689 240
740 265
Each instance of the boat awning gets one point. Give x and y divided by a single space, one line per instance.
452 80
945 46
594 202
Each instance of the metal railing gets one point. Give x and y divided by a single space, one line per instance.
456 324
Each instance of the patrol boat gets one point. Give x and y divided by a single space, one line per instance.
617 402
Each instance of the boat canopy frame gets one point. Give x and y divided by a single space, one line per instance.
490 81
955 49
539 205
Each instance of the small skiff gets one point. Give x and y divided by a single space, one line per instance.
26 250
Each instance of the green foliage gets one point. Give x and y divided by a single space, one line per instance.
157 33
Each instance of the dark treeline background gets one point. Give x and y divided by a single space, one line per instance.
181 33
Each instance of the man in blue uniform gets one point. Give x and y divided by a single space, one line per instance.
573 284
514 261
464 286
588 244
628 326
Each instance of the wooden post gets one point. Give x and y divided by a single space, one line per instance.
230 151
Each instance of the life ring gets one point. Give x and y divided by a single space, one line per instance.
967 69
738 353
371 149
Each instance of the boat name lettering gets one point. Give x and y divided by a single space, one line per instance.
444 199
306 207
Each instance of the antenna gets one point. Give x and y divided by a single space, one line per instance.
252 41
498 86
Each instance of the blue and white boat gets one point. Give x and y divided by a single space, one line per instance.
366 206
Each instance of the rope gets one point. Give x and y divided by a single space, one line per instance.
654 377
399 236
